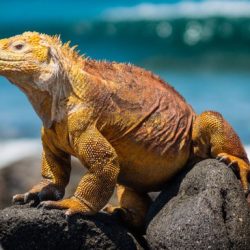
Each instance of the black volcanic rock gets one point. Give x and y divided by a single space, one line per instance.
203 207
26 228
209 212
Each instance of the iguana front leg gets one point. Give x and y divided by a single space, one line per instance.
97 186
213 137
56 168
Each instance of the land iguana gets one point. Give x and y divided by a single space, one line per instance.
125 124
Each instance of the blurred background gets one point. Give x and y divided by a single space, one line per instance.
202 48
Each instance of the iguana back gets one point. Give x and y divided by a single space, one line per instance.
141 106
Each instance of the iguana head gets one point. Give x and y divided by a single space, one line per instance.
29 59
42 67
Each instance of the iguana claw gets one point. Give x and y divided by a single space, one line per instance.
71 205
239 167
45 190
24 198
222 159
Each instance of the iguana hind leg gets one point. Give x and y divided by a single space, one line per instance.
213 137
132 208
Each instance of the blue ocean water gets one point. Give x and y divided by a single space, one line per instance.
202 48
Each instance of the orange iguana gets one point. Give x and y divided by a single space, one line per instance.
126 125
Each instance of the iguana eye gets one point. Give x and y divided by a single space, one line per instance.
18 46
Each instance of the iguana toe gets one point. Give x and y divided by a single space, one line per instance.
45 190
239 167
25 198
223 158
71 205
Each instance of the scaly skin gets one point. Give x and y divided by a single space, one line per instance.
125 124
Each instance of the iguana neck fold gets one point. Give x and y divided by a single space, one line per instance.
50 100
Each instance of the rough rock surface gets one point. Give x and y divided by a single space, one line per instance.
209 212
22 227
204 208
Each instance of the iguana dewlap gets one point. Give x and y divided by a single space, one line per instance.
126 125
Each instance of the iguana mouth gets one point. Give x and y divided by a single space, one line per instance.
10 64
11 60
10 57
